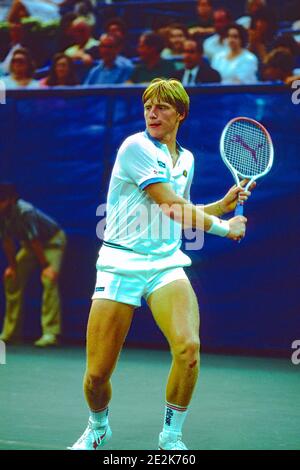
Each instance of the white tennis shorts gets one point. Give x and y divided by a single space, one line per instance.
126 276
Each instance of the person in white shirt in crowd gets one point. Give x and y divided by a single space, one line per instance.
238 65
217 43
252 7
21 71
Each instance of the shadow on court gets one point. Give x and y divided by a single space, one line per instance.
240 403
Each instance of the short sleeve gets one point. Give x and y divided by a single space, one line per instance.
30 224
139 162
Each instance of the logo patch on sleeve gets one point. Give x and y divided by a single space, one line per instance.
185 173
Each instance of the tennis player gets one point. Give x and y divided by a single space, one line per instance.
151 170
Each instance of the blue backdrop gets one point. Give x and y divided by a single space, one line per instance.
59 147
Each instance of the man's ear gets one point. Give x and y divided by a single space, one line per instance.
181 117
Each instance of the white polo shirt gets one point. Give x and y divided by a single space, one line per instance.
134 222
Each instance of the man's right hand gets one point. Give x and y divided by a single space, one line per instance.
237 228
10 272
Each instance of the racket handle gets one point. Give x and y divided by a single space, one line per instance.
239 210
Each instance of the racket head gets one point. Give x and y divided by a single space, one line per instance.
247 149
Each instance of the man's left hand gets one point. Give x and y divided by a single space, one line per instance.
235 194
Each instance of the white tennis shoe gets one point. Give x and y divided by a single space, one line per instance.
93 437
171 441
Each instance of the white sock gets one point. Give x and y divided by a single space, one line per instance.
174 418
100 416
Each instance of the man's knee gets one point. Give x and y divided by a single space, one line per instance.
187 351
94 380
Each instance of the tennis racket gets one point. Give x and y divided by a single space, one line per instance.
247 150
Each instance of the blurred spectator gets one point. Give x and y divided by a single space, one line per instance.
288 43
177 34
278 66
62 72
196 70
117 27
84 8
17 12
205 21
42 10
81 32
21 71
17 41
296 27
252 8
96 52
261 33
42 245
110 70
152 65
64 37
238 65
217 43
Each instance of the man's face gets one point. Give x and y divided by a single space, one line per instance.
191 56
145 52
204 8
221 21
176 39
81 33
108 49
254 6
161 118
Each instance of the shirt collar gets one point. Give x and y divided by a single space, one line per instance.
160 145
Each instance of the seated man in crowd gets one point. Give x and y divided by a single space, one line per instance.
205 21
42 245
83 41
262 33
196 69
176 35
278 66
217 43
152 65
112 68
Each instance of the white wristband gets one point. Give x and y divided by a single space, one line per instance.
219 227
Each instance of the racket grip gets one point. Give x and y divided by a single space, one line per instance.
239 210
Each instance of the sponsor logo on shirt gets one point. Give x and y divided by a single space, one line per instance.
161 164
185 173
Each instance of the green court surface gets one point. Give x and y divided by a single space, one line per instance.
240 402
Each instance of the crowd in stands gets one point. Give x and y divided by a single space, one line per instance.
215 48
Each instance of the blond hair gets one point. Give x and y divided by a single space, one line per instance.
168 91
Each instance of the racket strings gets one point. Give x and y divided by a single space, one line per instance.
247 148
